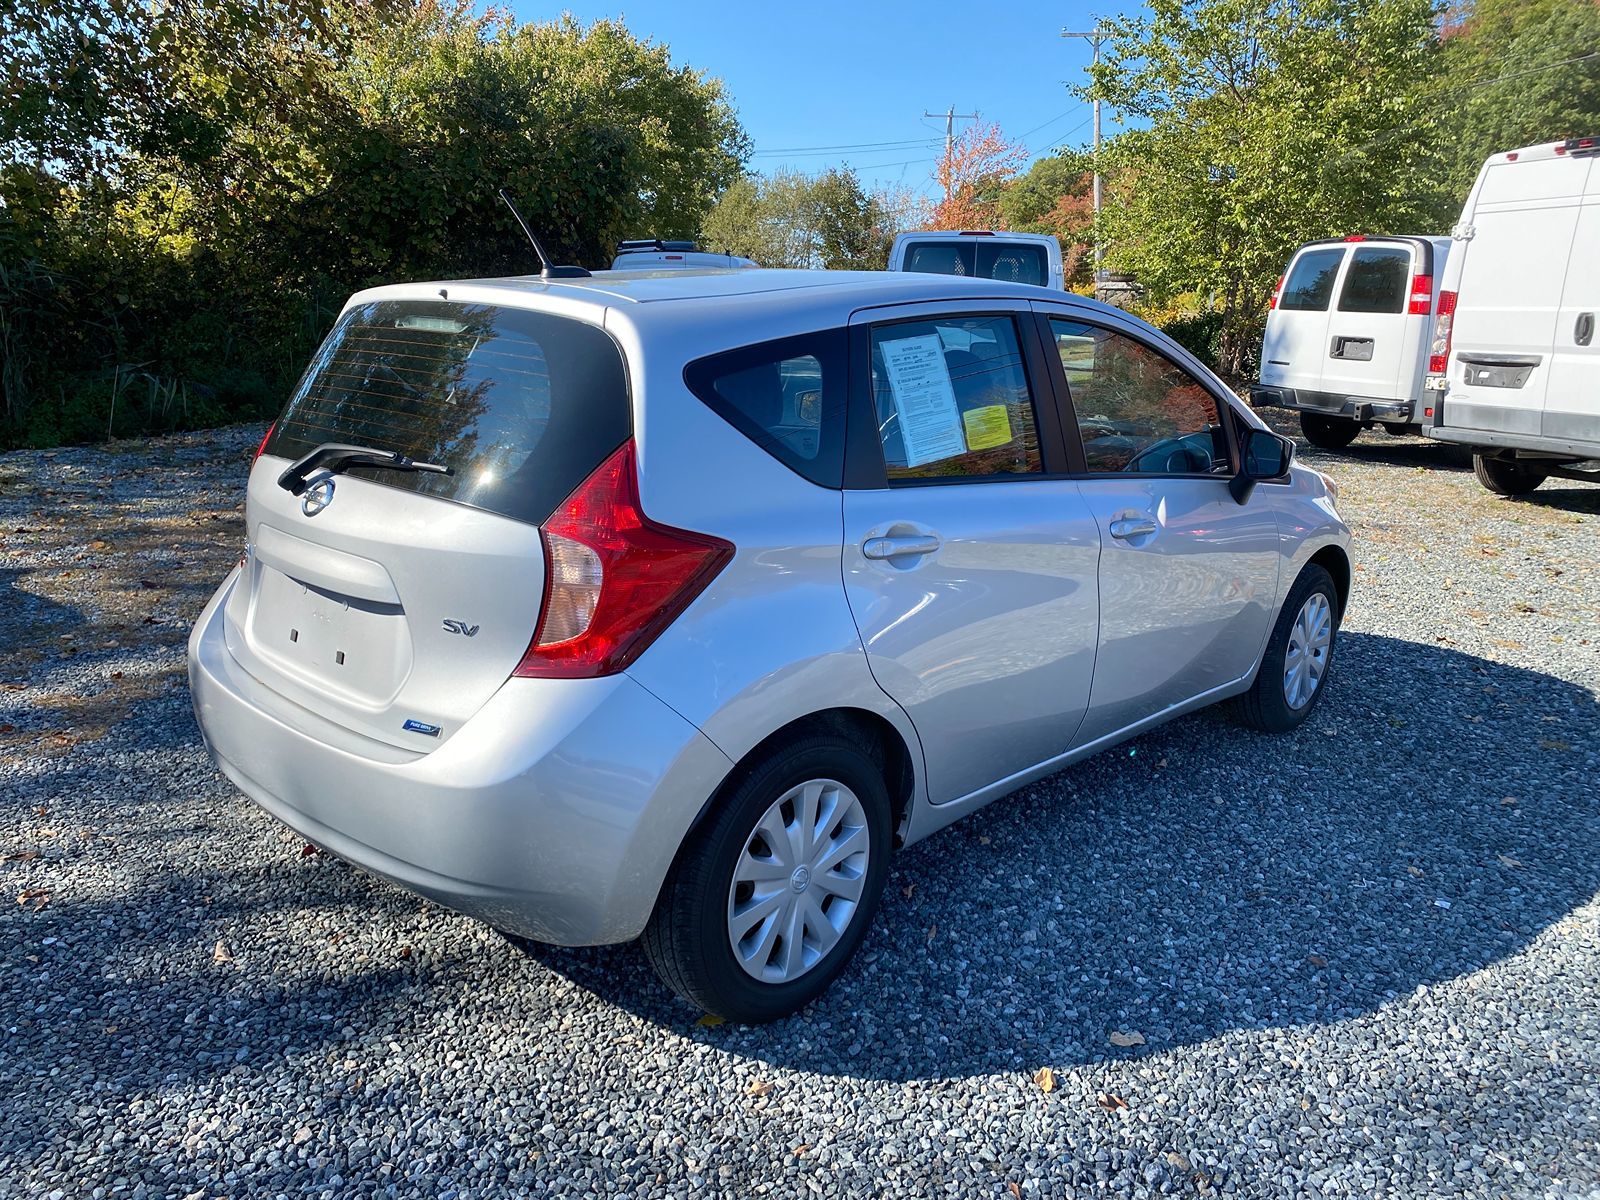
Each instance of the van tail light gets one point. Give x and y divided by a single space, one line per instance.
614 579
1421 296
265 438
1276 293
1439 352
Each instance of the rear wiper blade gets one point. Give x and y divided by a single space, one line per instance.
334 457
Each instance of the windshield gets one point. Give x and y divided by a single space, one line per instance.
522 406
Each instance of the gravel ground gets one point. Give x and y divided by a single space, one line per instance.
1363 959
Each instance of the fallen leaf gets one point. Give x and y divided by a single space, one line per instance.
405 951
21 856
709 1021
800 1150
1118 1038
983 839
220 953
308 850
758 1088
932 930
8 728
36 898
1316 960
907 890
1111 1102
1417 871
1015 1189
1046 1079
1507 861
97 544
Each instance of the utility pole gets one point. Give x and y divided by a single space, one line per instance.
950 119
1094 38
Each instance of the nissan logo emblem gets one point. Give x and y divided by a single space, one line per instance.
317 498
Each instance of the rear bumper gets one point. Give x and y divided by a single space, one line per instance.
555 812
1332 404
1533 444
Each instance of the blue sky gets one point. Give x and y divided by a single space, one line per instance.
852 79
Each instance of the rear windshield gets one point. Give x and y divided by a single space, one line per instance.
521 406
1376 281
1310 283
981 258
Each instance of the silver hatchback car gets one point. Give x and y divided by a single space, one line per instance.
670 604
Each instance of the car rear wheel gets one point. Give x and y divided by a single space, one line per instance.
769 899
1328 433
1294 669
1505 476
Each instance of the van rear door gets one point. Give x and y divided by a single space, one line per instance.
1518 241
1369 330
395 603
1572 403
1292 349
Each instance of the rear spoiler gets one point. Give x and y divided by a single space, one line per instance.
1422 245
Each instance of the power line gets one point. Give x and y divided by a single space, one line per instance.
905 143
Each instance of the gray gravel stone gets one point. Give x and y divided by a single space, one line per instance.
191 1007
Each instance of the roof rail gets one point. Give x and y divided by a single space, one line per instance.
642 244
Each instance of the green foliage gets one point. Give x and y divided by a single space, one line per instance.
789 219
174 257
1270 122
1054 196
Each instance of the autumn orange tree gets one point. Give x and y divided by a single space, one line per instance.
973 176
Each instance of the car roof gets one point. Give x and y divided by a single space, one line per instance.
688 285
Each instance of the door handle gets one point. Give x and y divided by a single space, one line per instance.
1583 331
1132 527
899 547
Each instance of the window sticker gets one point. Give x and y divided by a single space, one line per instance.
919 385
987 427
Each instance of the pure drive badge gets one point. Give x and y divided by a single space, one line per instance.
413 725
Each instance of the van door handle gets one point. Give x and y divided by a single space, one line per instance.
900 547
1583 331
1124 528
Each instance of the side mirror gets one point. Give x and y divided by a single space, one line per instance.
1266 456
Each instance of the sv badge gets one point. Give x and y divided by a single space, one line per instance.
460 627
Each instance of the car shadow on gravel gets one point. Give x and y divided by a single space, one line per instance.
1434 816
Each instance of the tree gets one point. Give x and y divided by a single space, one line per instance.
1519 72
1267 123
973 176
1056 196
789 219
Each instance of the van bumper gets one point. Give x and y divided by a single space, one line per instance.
554 813
1365 409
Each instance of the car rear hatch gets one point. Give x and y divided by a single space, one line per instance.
396 602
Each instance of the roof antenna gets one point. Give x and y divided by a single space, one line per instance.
547 269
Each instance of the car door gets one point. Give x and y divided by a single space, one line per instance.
1188 577
1296 337
1369 328
1572 403
969 558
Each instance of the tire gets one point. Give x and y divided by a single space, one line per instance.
1403 430
1507 477
1267 705
690 937
1328 433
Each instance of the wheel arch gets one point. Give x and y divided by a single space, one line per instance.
1333 559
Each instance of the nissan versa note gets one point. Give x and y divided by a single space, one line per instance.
670 605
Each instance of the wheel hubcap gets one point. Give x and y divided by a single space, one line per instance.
1306 659
799 880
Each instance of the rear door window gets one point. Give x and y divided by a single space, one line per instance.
1376 280
980 258
521 406
1309 286
786 396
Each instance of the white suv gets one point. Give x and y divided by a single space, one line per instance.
672 604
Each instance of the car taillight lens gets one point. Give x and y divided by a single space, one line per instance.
1439 352
1276 292
265 438
1421 296
614 579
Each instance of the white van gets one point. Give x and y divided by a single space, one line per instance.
1347 337
1515 363
653 254
982 254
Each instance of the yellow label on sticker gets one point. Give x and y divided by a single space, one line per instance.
987 427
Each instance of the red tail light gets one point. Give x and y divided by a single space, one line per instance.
1421 296
1276 292
265 438
1439 352
1356 237
614 579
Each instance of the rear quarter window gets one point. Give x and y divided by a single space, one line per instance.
1309 286
521 406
